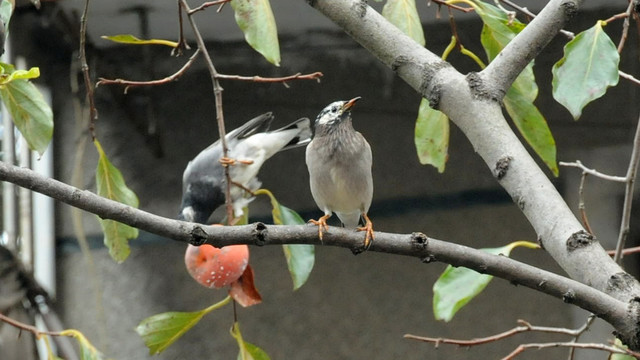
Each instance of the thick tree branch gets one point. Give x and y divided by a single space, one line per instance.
417 245
479 115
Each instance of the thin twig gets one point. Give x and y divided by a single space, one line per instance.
299 76
129 83
217 91
581 204
625 252
26 327
453 6
628 195
608 348
619 16
454 29
93 112
208 4
524 326
578 164
587 324
182 41
629 77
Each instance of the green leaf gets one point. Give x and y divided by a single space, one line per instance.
404 15
432 136
588 68
255 19
111 185
533 126
247 351
300 261
6 9
458 285
498 29
130 39
161 330
252 352
30 112
300 257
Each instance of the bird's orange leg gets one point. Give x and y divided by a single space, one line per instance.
225 161
368 227
322 224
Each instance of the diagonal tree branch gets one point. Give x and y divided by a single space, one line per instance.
417 245
504 69
477 112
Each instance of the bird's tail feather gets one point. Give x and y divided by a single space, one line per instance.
303 137
349 220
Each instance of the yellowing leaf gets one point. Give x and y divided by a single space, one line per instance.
130 39
9 73
255 19
404 15
432 136
589 67
111 185
87 350
30 112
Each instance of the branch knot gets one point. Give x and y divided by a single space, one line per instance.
198 236
259 233
580 239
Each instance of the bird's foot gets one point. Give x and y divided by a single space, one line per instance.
321 224
369 235
226 161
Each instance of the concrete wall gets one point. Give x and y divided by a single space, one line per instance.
352 307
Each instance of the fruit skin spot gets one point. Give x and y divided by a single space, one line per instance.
216 268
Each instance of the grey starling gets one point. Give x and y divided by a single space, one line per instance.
339 163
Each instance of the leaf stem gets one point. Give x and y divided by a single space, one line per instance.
217 305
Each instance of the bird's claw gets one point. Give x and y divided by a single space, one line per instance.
226 161
369 235
321 224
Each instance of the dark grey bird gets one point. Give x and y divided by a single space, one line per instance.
250 145
339 163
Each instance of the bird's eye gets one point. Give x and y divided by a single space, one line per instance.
334 109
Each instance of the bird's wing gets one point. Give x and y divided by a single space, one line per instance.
256 125
303 128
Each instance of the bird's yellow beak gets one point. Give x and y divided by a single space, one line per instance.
349 104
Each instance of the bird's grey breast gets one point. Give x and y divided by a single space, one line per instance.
340 171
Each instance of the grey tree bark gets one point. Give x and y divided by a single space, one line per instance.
473 103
